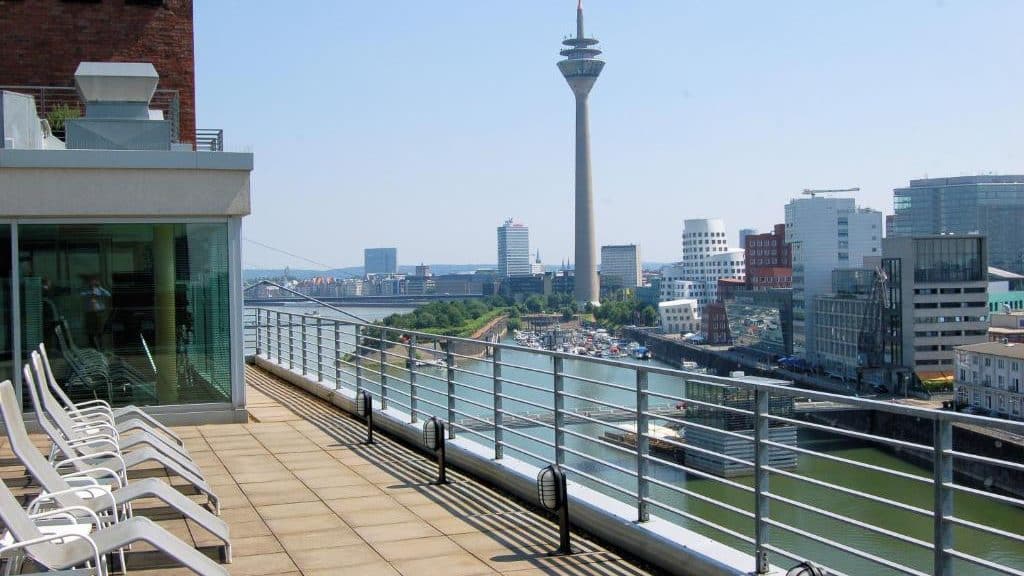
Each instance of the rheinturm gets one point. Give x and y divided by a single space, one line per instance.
581 69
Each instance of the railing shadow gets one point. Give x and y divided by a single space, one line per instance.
519 532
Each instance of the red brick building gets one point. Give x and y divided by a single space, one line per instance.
769 260
43 41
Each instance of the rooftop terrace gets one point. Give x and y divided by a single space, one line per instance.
303 494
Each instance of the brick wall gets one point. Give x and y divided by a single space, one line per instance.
44 40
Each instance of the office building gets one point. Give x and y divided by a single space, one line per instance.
133 255
707 258
620 265
380 261
938 287
825 233
423 270
988 376
768 260
581 69
992 206
759 320
1006 326
840 318
679 316
513 250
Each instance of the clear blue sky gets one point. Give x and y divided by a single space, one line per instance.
423 124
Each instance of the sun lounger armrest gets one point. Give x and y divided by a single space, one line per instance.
50 537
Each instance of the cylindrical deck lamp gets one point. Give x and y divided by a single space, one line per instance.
364 408
553 495
433 439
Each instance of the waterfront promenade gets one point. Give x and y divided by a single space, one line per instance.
304 495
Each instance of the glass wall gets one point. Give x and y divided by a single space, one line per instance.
6 336
130 313
949 260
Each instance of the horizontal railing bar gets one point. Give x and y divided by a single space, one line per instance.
479 374
465 414
605 443
848 520
593 420
986 460
694 518
711 405
859 435
469 430
442 407
472 387
527 402
597 480
547 372
688 424
598 402
700 473
514 448
440 379
841 460
577 378
524 418
700 450
985 528
850 491
396 402
701 497
521 434
474 403
596 460
848 549
792 556
547 390
991 495
471 358
985 563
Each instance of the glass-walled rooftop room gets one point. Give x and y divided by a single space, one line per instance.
135 313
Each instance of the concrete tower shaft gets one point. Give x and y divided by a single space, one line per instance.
581 69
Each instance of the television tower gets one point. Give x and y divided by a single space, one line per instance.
581 69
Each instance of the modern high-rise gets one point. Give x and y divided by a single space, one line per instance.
744 232
620 265
513 249
825 233
992 206
581 69
707 258
939 299
380 260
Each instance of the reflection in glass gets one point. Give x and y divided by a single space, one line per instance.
131 313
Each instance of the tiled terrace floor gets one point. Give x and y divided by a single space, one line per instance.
304 495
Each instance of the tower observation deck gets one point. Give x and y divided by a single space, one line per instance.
581 69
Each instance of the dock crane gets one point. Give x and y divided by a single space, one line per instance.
813 192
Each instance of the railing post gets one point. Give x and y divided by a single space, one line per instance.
358 360
256 321
559 404
278 314
413 396
450 361
383 375
291 341
499 433
943 477
761 536
305 344
643 444
319 349
337 355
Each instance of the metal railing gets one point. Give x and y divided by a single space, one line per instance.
210 139
48 98
727 457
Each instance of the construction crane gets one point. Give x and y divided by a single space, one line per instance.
813 192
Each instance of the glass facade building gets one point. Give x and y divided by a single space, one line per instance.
992 206
380 261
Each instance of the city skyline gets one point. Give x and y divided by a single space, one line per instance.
791 98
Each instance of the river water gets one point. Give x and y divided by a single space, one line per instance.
608 474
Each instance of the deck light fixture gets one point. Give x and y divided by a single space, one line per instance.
433 439
364 408
553 495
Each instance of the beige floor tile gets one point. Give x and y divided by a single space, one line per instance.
262 564
379 568
294 509
337 558
374 517
428 547
459 564
299 524
254 545
391 532
313 540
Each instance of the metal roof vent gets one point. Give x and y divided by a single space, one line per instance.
117 115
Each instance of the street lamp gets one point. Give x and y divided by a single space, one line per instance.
433 439
553 495
364 408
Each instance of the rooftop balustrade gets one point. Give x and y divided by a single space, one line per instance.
667 458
